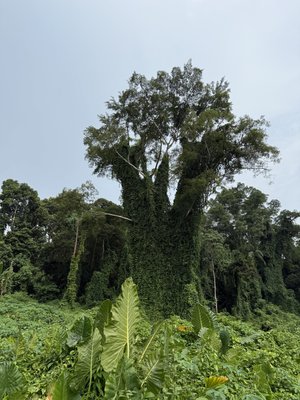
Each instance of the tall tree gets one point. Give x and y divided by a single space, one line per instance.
172 129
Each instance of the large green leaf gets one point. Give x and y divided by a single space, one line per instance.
62 390
80 332
11 380
120 333
154 369
202 318
88 362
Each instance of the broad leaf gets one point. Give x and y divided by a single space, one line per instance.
154 373
80 332
120 333
215 381
88 362
202 318
62 390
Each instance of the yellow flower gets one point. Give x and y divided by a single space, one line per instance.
214 381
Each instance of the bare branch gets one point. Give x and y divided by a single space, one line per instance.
157 161
117 216
129 163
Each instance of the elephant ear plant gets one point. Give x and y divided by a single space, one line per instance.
109 363
119 335
205 325
129 373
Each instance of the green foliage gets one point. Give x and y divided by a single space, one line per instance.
72 281
225 341
202 318
61 390
260 359
259 254
98 288
6 279
88 362
103 316
155 332
119 335
123 383
154 371
95 288
80 332
11 381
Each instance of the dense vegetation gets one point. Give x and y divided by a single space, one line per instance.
228 248
114 353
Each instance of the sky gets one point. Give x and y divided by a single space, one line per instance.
61 60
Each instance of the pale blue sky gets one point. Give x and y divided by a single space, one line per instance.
62 59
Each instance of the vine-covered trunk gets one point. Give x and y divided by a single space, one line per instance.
164 249
146 203
72 280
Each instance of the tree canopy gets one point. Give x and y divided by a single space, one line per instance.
177 116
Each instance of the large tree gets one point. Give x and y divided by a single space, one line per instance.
172 130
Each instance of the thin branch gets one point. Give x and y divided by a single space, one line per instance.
215 287
157 161
76 239
117 216
257 168
129 163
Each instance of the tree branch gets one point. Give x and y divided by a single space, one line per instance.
116 215
129 163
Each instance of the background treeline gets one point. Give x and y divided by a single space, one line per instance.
75 246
